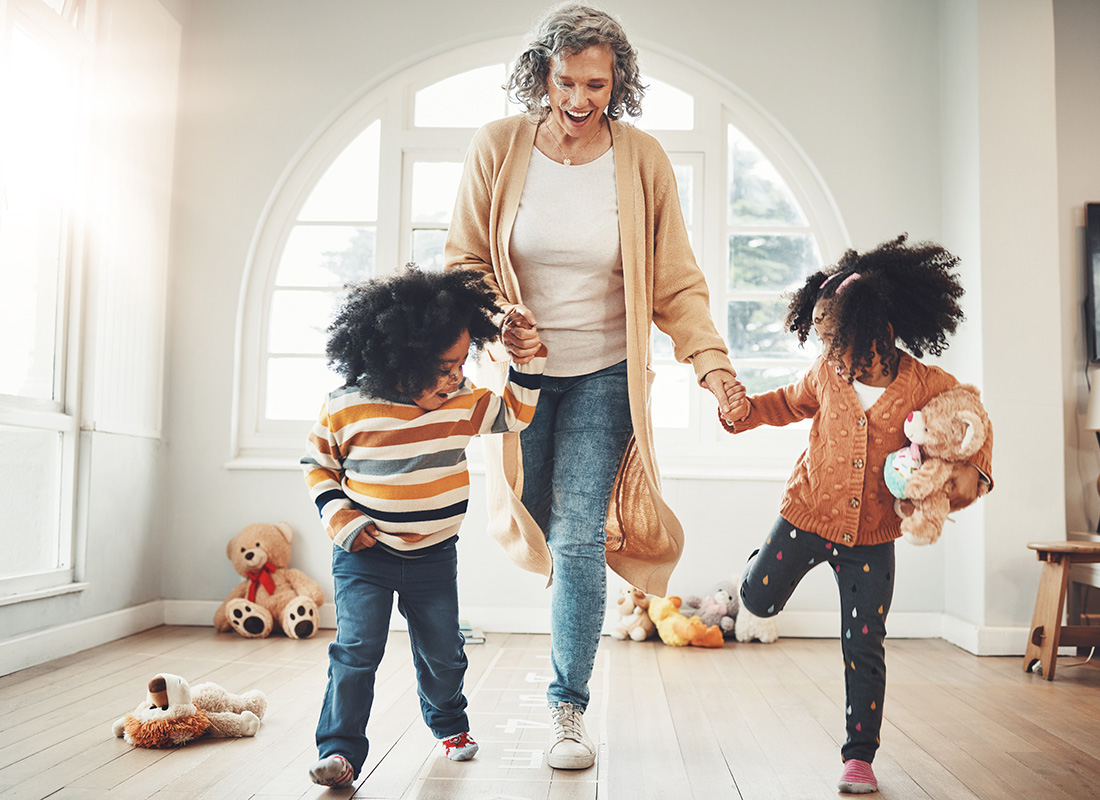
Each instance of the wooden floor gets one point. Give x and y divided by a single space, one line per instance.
746 721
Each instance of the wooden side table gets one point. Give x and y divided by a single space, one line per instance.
1047 631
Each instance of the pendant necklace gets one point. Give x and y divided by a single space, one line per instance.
566 160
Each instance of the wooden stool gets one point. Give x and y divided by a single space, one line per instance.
1047 630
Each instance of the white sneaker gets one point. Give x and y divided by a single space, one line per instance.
570 747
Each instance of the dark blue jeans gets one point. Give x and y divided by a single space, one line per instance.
427 596
571 455
865 577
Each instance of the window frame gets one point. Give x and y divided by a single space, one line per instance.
66 33
702 450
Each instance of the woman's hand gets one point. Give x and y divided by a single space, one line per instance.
519 335
730 393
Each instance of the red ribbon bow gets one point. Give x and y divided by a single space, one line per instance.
262 577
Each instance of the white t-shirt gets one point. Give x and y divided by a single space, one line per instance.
867 395
565 249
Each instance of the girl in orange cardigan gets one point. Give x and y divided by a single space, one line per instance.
836 508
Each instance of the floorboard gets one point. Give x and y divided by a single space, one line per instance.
744 722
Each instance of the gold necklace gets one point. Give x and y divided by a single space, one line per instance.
566 160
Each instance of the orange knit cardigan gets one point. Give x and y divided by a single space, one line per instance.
837 489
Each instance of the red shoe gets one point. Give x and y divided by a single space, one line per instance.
460 747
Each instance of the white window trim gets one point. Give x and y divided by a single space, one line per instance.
62 415
711 453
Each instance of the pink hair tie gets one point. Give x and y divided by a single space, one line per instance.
854 276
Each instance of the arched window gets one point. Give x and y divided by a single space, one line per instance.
376 189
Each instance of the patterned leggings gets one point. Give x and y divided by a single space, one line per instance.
865 577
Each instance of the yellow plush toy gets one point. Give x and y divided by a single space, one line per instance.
174 713
677 630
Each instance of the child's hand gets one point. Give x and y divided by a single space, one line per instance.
365 538
738 398
519 335
733 399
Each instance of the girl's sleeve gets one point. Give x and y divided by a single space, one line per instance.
324 474
513 410
782 406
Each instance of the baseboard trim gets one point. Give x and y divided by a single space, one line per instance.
38 647
41 646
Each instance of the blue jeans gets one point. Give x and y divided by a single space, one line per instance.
865 577
571 455
427 596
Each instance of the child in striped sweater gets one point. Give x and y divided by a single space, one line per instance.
386 466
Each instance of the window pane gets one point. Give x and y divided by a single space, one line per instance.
296 387
756 191
685 188
467 100
755 328
326 255
30 500
348 191
299 321
37 154
765 379
672 395
666 108
428 248
770 262
435 186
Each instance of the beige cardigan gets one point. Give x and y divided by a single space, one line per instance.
663 285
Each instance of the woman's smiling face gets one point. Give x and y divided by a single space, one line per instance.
579 90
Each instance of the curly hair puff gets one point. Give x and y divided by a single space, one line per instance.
566 30
389 336
911 292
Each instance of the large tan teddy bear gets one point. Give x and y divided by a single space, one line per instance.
950 429
175 713
272 597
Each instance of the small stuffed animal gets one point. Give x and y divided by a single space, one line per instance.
719 608
951 428
677 630
174 713
273 596
634 622
748 626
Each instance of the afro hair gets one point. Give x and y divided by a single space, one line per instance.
389 336
894 294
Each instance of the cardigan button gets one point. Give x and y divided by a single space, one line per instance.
861 421
858 463
847 537
854 502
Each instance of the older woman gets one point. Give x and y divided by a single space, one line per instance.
574 218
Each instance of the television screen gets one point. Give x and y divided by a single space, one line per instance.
1092 277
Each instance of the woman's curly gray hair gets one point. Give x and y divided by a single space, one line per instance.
566 30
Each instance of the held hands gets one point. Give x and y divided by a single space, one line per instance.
733 400
962 488
519 335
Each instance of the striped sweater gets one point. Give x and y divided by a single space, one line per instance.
402 468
